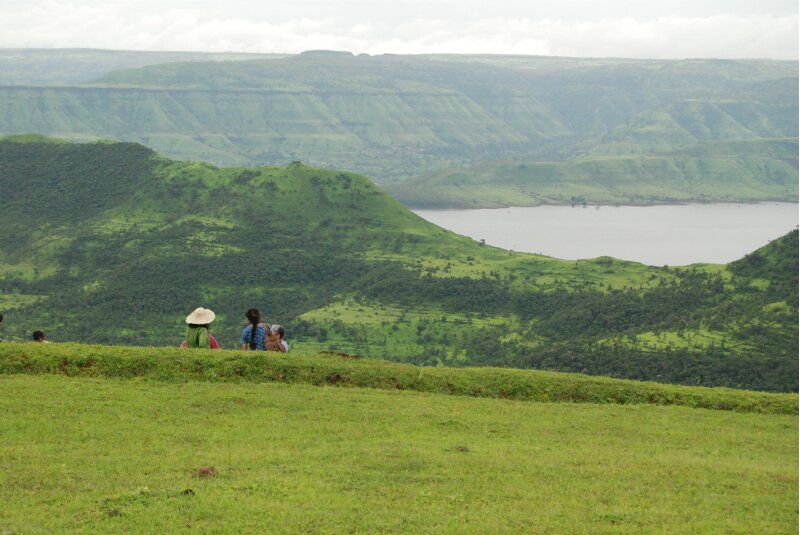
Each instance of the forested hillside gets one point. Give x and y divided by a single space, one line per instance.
396 118
111 243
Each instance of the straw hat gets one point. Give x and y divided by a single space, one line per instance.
201 316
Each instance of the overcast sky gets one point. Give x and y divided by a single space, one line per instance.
619 28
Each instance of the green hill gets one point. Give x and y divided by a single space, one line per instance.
145 440
394 118
111 243
707 171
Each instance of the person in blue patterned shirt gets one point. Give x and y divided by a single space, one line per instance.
254 334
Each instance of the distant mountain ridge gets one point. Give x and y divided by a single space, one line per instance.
112 243
707 171
67 66
396 118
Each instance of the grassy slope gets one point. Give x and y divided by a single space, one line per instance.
109 243
113 456
176 365
296 202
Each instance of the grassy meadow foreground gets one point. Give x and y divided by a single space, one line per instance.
100 442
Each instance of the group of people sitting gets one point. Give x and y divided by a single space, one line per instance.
257 335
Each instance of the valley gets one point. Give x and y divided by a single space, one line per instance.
111 243
502 375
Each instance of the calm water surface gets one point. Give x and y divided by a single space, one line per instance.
674 235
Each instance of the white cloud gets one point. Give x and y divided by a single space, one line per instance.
61 23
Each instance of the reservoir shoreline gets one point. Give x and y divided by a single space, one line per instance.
438 207
666 234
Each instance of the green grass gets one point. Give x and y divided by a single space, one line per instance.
12 301
462 257
176 365
96 455
699 338
392 330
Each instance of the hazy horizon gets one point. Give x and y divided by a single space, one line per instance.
678 29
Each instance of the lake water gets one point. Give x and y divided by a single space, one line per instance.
673 235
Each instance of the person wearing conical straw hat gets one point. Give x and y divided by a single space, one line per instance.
197 327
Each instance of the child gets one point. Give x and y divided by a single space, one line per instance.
280 332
